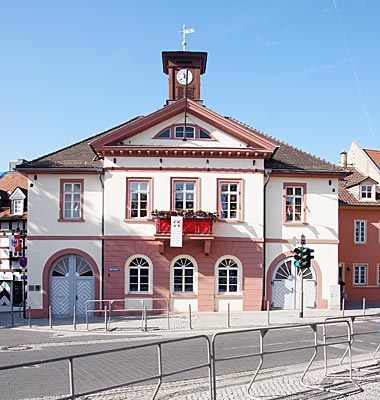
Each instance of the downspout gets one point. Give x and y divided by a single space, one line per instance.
100 172
267 172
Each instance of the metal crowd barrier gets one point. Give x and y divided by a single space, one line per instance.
263 352
213 350
160 375
108 308
352 320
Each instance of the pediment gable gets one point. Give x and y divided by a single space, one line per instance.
213 135
17 194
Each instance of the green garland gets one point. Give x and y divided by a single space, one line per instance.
185 214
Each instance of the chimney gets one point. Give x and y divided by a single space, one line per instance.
343 159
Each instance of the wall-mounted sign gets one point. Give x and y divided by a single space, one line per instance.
14 243
23 261
176 231
113 269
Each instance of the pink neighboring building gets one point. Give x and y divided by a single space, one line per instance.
359 231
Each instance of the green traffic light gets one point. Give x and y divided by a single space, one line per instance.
303 257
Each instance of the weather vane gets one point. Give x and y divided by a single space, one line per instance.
185 31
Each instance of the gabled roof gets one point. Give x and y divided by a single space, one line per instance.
5 215
11 183
18 193
11 180
76 156
374 155
112 142
278 155
346 198
291 159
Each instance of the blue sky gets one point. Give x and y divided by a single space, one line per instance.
303 71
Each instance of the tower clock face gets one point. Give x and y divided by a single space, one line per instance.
182 75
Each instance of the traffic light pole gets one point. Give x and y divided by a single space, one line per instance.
301 295
302 260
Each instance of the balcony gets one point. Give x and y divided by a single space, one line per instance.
195 226
191 226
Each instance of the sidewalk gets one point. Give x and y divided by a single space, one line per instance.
177 323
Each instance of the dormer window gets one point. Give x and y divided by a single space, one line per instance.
366 192
17 199
18 206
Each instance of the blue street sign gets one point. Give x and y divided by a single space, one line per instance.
23 262
114 269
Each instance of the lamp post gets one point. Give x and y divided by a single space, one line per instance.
23 267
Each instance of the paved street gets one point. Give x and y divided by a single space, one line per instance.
280 375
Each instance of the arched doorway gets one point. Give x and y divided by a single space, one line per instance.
286 281
71 283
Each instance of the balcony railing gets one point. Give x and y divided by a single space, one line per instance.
191 226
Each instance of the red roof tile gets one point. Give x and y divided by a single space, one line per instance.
374 155
11 180
346 198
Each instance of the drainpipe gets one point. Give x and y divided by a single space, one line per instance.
100 172
267 172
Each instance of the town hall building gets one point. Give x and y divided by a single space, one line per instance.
183 206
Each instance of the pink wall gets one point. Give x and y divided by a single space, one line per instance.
368 253
117 251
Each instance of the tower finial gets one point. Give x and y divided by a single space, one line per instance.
185 31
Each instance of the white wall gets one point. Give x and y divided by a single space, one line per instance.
115 197
322 201
39 253
220 138
359 159
320 230
44 205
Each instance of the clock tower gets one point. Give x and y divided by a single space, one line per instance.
184 70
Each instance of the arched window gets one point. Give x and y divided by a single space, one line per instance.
139 275
183 276
228 276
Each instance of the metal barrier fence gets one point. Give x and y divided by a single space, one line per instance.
263 352
361 318
111 307
159 375
213 351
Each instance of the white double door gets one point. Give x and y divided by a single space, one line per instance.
71 283
286 286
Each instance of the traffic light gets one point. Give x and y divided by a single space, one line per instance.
297 257
309 256
303 257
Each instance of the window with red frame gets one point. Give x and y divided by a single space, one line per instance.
72 199
229 200
183 132
294 203
184 195
138 199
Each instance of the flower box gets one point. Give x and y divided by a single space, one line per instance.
195 226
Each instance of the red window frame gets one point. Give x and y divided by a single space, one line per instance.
285 206
62 217
149 200
173 181
197 130
239 214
